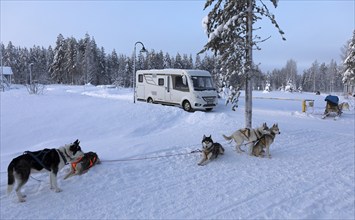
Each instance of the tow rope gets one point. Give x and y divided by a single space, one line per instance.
153 157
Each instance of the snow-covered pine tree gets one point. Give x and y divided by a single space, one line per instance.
71 60
103 76
178 64
112 62
291 73
167 61
56 69
229 28
186 62
336 84
11 58
160 60
349 67
89 66
155 60
198 63
39 68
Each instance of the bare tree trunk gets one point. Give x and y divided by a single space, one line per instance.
248 69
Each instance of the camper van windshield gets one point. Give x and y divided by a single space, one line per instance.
202 83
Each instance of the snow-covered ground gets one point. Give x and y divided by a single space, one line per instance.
310 174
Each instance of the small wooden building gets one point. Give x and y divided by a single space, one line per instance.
6 74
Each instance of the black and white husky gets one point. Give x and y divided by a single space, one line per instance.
51 160
210 150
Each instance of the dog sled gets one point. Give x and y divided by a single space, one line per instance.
332 107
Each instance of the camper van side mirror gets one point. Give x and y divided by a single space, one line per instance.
184 80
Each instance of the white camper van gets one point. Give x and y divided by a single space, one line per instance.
190 89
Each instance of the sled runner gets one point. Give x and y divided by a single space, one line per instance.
332 106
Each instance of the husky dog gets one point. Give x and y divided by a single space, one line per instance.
52 160
248 135
344 106
265 141
210 150
83 164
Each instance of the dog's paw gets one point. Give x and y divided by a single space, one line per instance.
57 190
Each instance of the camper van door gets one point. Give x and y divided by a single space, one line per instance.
168 88
160 89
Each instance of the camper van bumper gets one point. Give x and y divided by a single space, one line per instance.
204 106
206 102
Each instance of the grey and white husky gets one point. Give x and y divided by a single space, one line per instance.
51 160
210 150
248 135
265 141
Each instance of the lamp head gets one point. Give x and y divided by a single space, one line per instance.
143 50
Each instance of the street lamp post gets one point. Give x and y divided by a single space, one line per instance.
134 68
30 67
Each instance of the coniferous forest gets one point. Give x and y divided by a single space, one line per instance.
82 61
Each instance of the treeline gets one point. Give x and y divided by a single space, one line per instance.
81 61
319 77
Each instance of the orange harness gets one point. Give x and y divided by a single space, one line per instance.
73 165
92 161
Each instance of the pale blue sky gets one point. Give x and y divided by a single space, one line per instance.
315 30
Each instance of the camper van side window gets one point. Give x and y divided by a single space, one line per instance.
140 78
178 84
161 82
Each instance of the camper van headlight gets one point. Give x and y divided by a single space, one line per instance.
197 96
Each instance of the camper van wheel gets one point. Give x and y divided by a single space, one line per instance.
186 106
150 100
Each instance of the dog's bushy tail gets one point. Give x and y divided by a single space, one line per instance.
10 177
228 138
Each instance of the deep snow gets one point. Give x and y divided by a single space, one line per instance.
310 174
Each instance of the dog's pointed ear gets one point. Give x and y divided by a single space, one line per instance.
204 136
210 136
77 142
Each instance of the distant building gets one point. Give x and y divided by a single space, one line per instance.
6 74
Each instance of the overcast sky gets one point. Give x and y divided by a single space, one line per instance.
315 30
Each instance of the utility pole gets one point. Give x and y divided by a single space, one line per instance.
249 63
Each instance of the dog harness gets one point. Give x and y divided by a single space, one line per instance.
39 157
262 140
73 164
88 160
246 133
